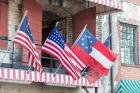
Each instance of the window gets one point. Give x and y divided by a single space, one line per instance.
128 44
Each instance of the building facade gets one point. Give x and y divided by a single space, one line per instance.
72 15
128 31
125 43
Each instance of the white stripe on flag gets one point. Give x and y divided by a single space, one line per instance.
101 58
77 59
61 61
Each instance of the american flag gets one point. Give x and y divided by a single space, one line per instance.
56 46
76 62
25 39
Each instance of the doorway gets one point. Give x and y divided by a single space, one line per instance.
48 23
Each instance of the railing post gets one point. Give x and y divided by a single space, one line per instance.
12 55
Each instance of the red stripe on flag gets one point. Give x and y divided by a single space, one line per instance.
23 40
64 60
105 51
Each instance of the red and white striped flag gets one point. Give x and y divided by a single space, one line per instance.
25 39
94 54
56 46
78 64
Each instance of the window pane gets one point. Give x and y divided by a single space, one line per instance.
128 43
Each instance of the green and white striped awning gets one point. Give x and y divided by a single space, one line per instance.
128 86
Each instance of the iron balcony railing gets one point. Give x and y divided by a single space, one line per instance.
11 56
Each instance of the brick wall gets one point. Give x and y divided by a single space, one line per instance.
99 27
14 17
130 73
135 1
69 25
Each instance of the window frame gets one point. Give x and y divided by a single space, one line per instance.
133 29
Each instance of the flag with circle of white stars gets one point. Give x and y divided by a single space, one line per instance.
86 41
26 28
94 54
25 39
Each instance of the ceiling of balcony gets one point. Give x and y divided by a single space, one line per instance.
63 8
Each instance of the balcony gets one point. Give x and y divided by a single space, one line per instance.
14 70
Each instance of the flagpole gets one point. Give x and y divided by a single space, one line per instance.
80 35
57 70
29 70
60 64
83 73
22 19
20 26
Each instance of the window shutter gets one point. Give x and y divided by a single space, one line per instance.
82 18
3 21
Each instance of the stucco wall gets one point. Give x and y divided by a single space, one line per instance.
35 88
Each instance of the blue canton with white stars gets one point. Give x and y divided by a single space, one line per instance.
26 28
56 37
86 41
